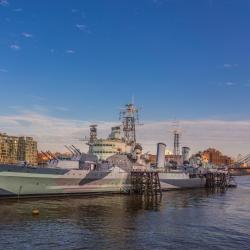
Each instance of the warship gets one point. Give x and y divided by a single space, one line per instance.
98 171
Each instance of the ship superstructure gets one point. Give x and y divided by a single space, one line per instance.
113 144
122 138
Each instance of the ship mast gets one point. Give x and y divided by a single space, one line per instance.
92 137
129 116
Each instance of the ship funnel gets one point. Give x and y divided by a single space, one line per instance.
160 160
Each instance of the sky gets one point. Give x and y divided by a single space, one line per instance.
67 64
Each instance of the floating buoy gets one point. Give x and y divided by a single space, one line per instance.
35 211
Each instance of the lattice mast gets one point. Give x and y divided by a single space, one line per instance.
176 142
129 116
93 133
177 135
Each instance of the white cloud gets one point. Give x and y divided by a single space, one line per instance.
231 137
51 133
230 66
27 35
74 10
4 71
81 27
4 3
15 47
230 83
70 51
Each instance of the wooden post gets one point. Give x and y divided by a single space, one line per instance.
145 183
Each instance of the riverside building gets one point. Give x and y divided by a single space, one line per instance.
15 149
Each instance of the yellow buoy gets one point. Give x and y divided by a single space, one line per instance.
35 211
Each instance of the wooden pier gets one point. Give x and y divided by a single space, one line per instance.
145 183
217 180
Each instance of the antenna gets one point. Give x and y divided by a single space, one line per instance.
133 100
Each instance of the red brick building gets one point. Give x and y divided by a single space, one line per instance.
214 156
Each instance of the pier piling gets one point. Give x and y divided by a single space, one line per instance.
145 183
216 180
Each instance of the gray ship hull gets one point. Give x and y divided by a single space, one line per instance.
45 181
170 181
16 181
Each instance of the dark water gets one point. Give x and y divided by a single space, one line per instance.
194 219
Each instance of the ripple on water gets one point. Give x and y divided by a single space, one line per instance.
191 219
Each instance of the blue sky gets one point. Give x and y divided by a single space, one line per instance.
84 59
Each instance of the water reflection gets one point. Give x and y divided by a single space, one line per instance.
138 222
101 206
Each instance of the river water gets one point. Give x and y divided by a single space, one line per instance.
190 219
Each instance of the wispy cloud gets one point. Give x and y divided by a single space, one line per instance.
81 27
231 137
15 107
4 71
230 66
230 83
18 10
27 35
4 3
74 10
227 136
15 47
80 13
51 133
32 108
70 51
37 98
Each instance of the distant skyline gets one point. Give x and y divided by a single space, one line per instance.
78 62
